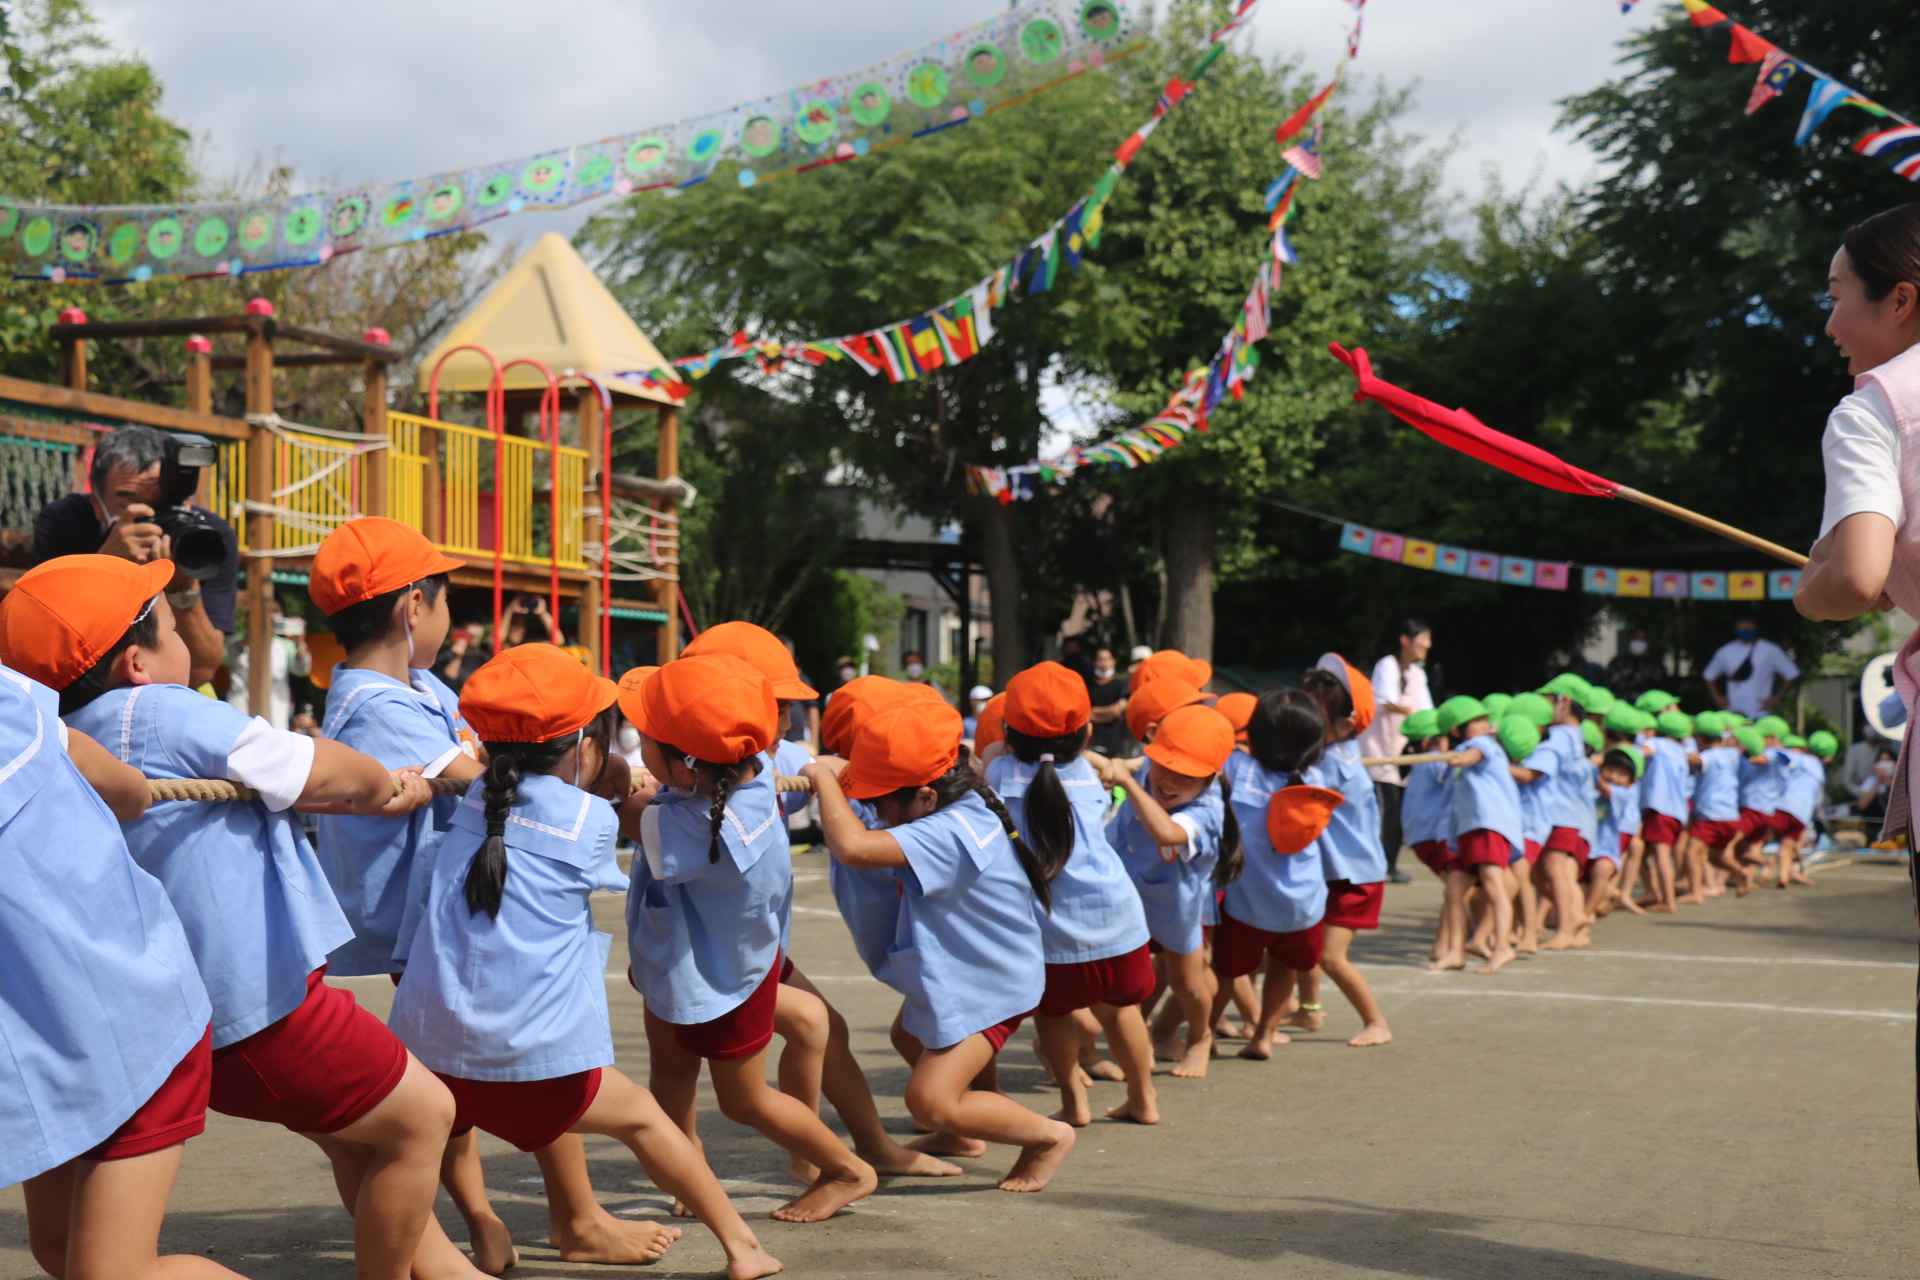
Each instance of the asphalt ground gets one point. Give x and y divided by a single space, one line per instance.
1728 1093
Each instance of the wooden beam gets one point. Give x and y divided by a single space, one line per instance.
93 405
667 593
355 347
172 328
298 360
260 453
592 527
376 468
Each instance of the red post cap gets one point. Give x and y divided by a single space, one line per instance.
199 344
72 315
259 307
379 337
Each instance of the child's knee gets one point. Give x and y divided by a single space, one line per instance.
930 1107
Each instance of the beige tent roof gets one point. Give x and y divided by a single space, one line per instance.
552 308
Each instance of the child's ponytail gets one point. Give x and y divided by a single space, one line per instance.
507 764
964 778
717 781
1049 813
1232 856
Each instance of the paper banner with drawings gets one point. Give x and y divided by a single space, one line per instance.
1558 575
926 90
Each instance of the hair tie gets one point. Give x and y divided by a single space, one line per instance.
1046 757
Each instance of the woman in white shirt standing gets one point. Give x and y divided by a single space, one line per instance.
1868 555
1399 689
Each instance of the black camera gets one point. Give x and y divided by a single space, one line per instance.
198 549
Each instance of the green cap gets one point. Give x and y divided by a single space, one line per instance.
1734 719
1750 740
1622 718
1421 725
1654 701
1497 704
1823 744
1711 724
1773 727
1597 702
1566 685
1673 724
1639 764
1590 734
1794 740
1457 710
1518 736
1533 707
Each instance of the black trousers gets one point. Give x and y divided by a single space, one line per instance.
1390 795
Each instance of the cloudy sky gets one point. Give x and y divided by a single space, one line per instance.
383 89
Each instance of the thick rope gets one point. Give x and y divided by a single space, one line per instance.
218 790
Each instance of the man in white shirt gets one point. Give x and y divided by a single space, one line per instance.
1741 675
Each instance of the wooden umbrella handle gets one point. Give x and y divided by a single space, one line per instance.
1727 531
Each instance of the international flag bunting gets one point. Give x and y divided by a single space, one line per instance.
1776 70
1704 16
861 350
894 345
1137 139
1047 262
1294 123
925 344
1283 248
957 332
1909 168
1748 47
1306 156
1285 206
1071 237
1876 143
1821 100
1257 314
1281 185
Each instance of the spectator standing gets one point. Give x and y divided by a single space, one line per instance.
1107 691
803 717
1741 675
464 653
1636 668
289 656
1399 689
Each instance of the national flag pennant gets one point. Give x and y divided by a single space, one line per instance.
1281 185
1283 248
1822 99
1704 16
1258 315
861 350
1048 261
1294 123
1137 139
925 342
1776 70
1876 143
1071 235
1171 96
956 332
894 345
1909 168
1285 206
1748 47
1306 156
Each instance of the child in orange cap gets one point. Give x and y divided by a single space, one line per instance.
970 958
256 907
1151 704
1096 933
990 731
1170 662
711 882
1238 709
504 997
1180 843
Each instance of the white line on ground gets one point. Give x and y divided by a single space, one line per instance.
1664 956
1890 1015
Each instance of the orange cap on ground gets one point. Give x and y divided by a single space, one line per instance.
1359 688
1170 662
1194 740
533 693
1154 701
1238 709
64 614
848 705
714 707
1047 701
369 557
1297 815
907 743
991 725
758 648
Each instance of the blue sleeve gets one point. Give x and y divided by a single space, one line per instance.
1544 760
396 731
195 732
934 854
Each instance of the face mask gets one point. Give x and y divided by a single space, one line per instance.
1104 673
1746 635
915 671
1638 648
629 738
847 673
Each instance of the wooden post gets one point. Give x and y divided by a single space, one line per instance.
73 352
376 469
667 593
260 452
592 601
200 400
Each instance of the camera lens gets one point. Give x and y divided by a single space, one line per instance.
198 548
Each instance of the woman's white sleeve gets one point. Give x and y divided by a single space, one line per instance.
1861 452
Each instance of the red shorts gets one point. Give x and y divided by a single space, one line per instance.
317 1070
176 1111
1000 1032
1626 841
740 1032
1118 980
1531 852
1568 841
530 1114
1715 834
1355 906
1757 823
1787 827
1238 947
1659 828
1481 847
1435 855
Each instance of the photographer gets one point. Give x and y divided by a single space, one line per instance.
118 519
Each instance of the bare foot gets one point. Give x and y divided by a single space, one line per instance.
1078 1119
1193 1063
492 1246
1455 960
1742 889
1104 1069
1633 906
1694 900
680 1210
1306 1019
830 1194
948 1144
753 1264
1228 1029
1498 961
1038 1163
1528 946
1558 942
1169 1047
909 1162
1147 1113
1476 947
1260 1048
614 1241
1374 1033
1665 907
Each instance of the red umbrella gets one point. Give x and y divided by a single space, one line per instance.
1458 429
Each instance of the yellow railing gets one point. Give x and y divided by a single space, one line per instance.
468 488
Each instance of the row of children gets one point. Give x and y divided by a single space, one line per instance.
1594 794
170 957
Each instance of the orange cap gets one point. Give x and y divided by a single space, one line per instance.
369 557
63 615
1047 701
714 707
533 693
907 743
1192 740
1153 702
1359 688
1297 815
760 649
991 725
1170 662
848 705
635 678
1238 709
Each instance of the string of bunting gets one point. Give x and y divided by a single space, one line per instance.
941 85
1558 575
1825 94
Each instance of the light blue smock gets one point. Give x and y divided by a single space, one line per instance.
1175 884
968 953
704 935
1761 785
1805 783
99 995
257 909
1350 847
521 995
1536 797
1576 790
1426 810
1278 892
1625 803
1716 798
1667 783
380 867
1096 913
1485 796
1692 747
869 901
